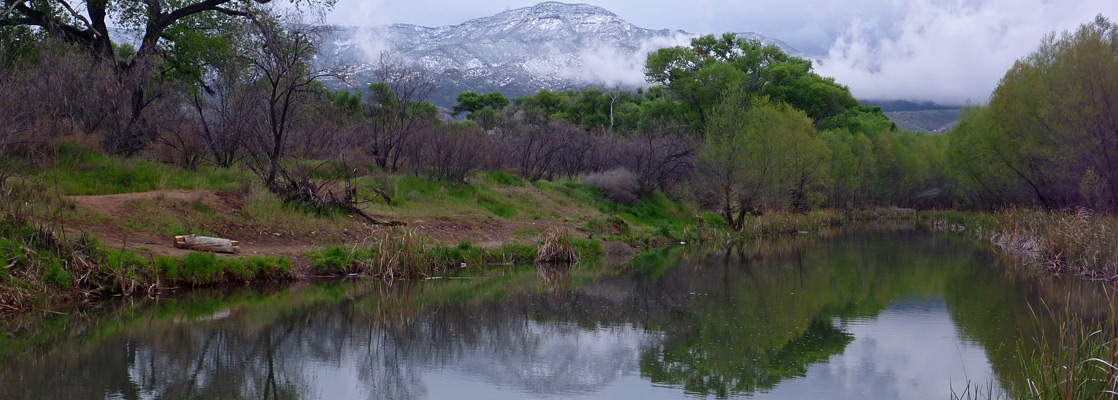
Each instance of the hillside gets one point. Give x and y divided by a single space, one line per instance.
930 121
924 116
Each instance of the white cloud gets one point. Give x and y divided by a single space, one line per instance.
950 52
612 66
374 13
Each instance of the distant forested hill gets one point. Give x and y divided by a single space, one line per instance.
919 116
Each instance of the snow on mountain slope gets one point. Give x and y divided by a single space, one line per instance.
551 45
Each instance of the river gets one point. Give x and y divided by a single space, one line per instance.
897 313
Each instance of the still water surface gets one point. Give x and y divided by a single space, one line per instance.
898 314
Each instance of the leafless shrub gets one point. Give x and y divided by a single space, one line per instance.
617 184
181 145
41 103
659 159
322 133
451 153
535 148
578 154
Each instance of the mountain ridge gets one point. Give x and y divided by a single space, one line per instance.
551 45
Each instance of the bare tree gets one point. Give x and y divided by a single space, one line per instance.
396 108
85 25
282 55
660 158
452 152
536 149
229 104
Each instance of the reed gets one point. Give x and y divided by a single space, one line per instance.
1070 242
1071 358
557 247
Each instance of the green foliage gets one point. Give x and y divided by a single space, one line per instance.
518 254
1049 123
595 109
201 268
472 102
333 258
701 73
760 154
57 275
587 248
504 178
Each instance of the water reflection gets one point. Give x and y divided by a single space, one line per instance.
887 314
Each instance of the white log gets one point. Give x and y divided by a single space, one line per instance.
203 243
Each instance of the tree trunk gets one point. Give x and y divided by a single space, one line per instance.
203 243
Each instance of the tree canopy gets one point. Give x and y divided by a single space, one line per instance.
698 75
1049 135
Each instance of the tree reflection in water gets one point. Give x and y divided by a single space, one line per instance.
733 322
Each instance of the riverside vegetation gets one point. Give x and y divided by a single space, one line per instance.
230 127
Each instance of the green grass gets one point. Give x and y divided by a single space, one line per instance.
421 196
1071 358
339 259
79 170
504 178
652 215
442 258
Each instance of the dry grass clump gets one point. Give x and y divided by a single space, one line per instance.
787 223
1068 242
399 255
557 247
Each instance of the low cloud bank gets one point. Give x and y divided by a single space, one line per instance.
612 66
950 52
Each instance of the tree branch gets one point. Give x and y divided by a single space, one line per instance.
35 17
75 14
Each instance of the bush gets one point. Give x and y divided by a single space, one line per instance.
618 185
504 178
333 258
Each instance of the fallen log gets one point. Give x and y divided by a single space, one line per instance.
210 244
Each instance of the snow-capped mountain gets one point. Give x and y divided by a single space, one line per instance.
551 45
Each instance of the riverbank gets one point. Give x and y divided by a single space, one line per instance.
768 310
81 226
1069 242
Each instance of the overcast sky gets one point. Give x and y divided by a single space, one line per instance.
950 51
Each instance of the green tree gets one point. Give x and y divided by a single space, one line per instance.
699 73
471 102
758 153
1051 124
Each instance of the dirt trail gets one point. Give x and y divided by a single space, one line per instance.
112 205
481 230
115 208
